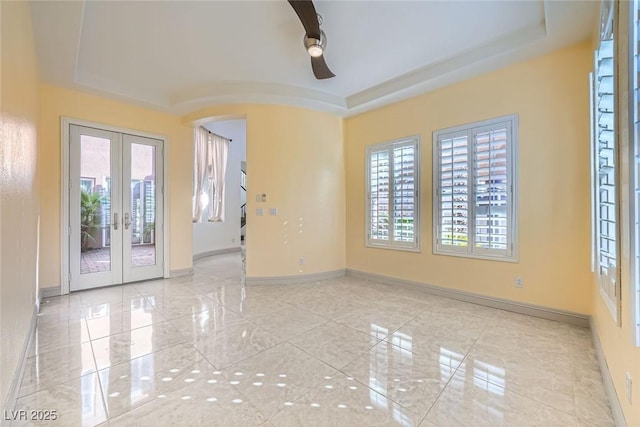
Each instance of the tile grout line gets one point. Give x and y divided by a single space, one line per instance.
453 375
97 374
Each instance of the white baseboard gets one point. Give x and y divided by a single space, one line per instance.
502 304
181 272
14 388
614 403
50 292
299 278
216 252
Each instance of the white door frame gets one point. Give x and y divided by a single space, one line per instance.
65 122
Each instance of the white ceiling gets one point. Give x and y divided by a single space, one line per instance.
183 55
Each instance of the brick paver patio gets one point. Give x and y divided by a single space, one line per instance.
97 260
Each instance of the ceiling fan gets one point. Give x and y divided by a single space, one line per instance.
315 40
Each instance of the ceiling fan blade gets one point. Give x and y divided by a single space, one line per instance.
320 68
306 11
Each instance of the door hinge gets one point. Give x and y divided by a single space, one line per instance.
69 277
69 230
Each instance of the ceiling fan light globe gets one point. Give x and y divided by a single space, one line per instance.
315 47
315 51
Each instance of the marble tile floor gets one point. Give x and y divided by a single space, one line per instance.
205 350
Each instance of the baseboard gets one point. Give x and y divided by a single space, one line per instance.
299 278
216 252
502 304
614 403
14 388
181 272
50 292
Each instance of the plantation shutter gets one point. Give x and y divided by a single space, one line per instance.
491 189
454 190
392 196
605 152
473 171
404 192
635 170
379 195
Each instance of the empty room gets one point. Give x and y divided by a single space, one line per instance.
320 213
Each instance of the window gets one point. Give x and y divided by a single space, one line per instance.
87 184
474 182
209 168
392 199
634 169
605 168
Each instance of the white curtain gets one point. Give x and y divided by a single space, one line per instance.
200 169
218 152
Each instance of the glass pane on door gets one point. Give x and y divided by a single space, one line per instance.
143 205
95 204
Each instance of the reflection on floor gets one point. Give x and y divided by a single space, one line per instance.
97 260
204 350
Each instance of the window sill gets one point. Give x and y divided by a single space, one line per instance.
511 259
394 248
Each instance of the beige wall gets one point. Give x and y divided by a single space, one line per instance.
551 96
621 354
18 186
57 102
296 157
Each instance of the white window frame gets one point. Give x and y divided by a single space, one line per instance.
391 243
608 276
634 169
469 251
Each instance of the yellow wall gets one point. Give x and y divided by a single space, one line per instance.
295 156
56 102
18 185
551 96
621 354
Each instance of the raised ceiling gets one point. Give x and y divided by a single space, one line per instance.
183 55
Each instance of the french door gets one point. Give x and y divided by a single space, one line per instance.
115 208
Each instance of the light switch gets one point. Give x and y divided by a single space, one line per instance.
273 211
260 212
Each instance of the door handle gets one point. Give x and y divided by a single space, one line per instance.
115 221
127 223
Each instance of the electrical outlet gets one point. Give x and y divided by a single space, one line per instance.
629 384
301 261
519 283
